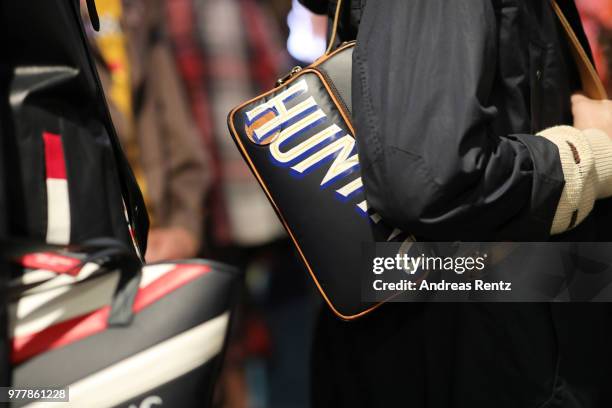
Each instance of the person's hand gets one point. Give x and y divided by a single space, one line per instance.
592 114
170 243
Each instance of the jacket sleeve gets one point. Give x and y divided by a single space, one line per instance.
188 174
423 73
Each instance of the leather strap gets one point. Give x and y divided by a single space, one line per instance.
334 31
591 83
93 15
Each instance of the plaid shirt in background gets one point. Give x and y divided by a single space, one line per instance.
227 53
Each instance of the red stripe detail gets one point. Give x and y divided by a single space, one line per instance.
51 262
171 281
59 335
54 156
77 328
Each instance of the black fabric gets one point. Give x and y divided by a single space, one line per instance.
445 142
316 6
4 205
465 355
121 309
350 14
490 74
5 272
53 86
447 97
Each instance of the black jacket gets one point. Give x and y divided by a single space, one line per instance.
447 99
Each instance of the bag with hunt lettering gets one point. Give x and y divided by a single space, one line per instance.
298 141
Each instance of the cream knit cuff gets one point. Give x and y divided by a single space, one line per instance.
586 160
601 146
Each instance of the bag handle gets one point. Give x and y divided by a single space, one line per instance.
334 30
93 14
110 253
591 82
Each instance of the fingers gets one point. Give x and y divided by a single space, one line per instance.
579 97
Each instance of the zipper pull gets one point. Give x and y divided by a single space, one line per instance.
294 71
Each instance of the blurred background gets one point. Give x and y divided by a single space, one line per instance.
172 70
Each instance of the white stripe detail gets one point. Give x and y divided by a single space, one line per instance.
341 148
376 218
394 234
148 369
293 130
152 273
61 279
58 299
363 206
351 187
33 276
58 211
36 312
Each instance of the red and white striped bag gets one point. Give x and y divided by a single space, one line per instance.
68 328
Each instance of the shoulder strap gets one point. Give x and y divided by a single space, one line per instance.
591 83
334 30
